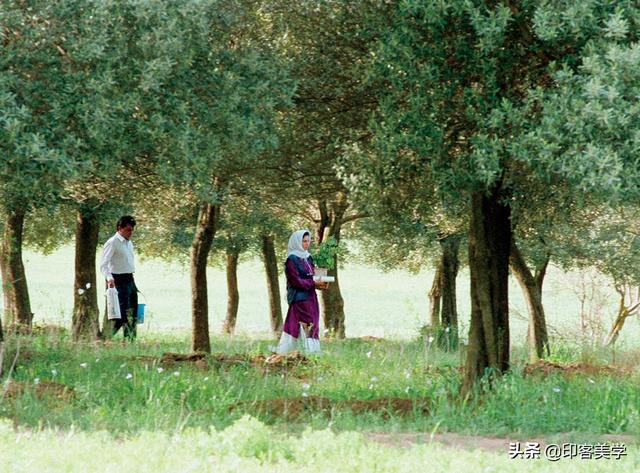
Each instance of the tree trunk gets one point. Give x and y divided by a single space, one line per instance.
333 306
532 288
323 222
442 297
332 301
271 271
621 317
449 311
17 308
435 297
233 296
489 245
208 218
86 315
629 304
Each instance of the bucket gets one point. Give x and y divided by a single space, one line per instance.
140 314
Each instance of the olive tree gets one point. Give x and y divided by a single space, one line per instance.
482 97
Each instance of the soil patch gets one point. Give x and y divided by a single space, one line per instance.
545 368
273 363
198 360
44 389
223 359
390 405
492 444
296 407
294 358
280 364
264 364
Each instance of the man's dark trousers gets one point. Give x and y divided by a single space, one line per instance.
128 299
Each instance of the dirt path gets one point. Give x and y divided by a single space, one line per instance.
492 444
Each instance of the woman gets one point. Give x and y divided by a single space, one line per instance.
301 327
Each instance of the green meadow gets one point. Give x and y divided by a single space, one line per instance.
381 304
120 407
140 414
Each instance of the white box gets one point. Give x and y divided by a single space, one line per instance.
324 278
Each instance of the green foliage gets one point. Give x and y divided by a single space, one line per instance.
327 48
221 90
539 101
589 132
32 166
325 256
587 127
247 216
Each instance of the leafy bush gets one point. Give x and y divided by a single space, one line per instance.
327 251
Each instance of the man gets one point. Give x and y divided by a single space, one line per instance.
117 266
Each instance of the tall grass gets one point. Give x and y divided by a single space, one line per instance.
117 391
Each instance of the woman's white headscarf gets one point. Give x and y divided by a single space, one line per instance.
295 244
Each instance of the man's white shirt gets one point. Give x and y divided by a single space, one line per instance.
117 257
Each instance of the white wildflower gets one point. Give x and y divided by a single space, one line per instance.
206 378
306 386
80 291
447 329
160 370
556 390
129 376
305 395
369 354
176 373
407 374
591 381
430 339
36 381
407 389
54 372
83 365
88 285
374 379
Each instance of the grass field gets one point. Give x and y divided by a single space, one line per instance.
138 411
120 407
390 305
127 388
250 446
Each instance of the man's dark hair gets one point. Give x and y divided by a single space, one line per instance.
125 221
